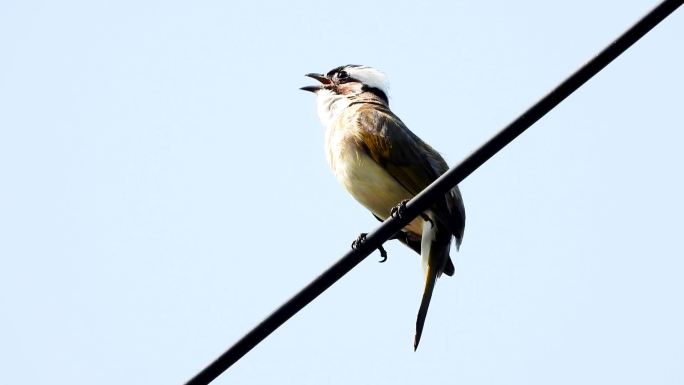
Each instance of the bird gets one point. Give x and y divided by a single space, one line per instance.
382 164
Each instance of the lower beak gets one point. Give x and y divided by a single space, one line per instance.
321 78
313 89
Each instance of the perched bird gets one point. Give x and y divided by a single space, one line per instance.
382 164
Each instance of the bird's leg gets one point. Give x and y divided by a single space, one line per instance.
398 211
362 238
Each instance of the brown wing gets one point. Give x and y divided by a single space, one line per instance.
412 162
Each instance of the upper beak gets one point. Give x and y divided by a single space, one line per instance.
321 78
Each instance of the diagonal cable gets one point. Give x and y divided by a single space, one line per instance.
437 189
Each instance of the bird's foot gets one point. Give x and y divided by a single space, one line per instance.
383 254
359 240
398 211
362 238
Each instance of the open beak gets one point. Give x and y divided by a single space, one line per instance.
321 78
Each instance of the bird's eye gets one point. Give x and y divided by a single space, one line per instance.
342 75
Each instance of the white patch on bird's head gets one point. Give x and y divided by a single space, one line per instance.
368 76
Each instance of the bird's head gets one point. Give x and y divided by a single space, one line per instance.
345 84
351 80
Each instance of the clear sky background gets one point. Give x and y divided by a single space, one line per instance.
164 188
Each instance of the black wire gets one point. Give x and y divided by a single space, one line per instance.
437 189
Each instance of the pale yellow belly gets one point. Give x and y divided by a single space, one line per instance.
371 185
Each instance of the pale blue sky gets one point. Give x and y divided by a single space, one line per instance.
164 188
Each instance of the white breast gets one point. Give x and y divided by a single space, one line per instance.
330 106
